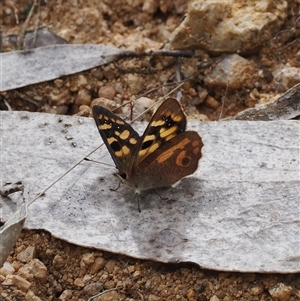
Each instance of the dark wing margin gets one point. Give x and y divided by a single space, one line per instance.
119 137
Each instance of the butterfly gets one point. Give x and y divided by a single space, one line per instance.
164 154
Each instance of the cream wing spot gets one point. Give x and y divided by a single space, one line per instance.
132 141
124 135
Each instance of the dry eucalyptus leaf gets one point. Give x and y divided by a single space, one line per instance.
27 67
287 106
10 231
238 212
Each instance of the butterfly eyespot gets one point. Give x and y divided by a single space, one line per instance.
183 160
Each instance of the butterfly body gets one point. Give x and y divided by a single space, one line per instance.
163 155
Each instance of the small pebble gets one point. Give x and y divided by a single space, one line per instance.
83 97
88 258
135 82
281 292
26 255
256 290
34 269
107 103
17 281
7 269
30 296
93 288
220 294
58 261
66 295
79 282
98 264
109 72
211 102
62 110
110 265
58 82
108 92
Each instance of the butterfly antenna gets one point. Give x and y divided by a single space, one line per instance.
98 162
178 76
223 102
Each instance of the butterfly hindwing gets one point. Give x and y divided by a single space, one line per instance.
175 159
119 137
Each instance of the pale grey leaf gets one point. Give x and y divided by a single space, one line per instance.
10 231
238 212
27 67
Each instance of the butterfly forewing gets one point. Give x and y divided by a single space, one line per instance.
119 137
168 121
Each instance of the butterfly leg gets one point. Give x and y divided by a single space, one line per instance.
164 199
111 189
138 200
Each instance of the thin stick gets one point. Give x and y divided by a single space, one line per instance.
102 293
161 52
168 94
51 185
24 27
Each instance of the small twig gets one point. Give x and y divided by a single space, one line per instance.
37 22
157 88
178 76
7 104
137 71
163 98
24 27
152 53
53 183
223 103
161 52
32 101
12 4
131 278
102 293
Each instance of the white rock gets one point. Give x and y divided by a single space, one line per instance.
18 282
66 295
26 255
233 71
287 76
281 292
7 269
30 296
34 269
88 258
229 26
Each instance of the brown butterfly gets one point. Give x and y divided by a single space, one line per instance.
163 155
